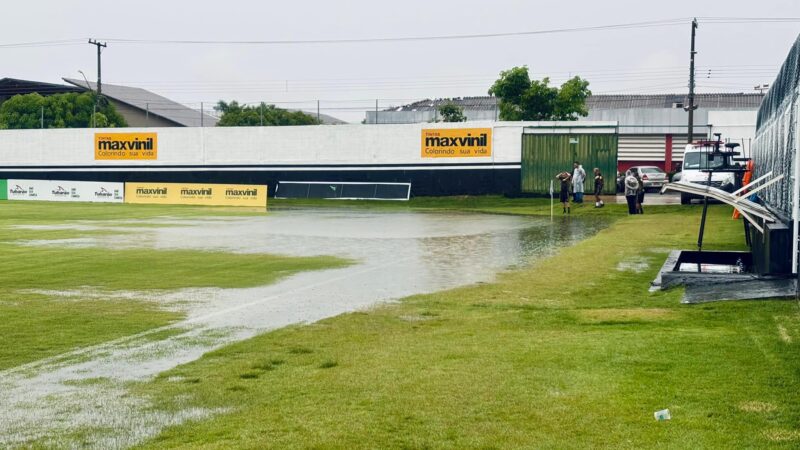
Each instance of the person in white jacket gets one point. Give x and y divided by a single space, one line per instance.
578 177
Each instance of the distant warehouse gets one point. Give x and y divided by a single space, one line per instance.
139 107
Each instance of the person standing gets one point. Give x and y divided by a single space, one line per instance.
564 178
578 177
598 188
631 192
640 194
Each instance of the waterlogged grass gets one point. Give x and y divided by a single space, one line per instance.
36 323
485 203
52 267
568 353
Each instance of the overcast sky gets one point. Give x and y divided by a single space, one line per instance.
347 78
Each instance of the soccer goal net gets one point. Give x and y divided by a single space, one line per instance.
343 190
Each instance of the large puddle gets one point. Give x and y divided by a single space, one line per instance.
396 254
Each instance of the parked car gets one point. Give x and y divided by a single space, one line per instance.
652 177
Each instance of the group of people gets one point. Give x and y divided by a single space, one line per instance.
575 180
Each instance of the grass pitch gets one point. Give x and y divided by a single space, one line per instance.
572 352
35 325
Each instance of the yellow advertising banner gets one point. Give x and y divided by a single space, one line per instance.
125 146
456 142
197 194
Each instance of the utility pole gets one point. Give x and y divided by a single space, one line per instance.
691 106
100 46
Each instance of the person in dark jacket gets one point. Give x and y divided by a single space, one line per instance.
640 195
598 188
564 178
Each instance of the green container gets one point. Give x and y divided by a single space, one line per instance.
3 189
546 155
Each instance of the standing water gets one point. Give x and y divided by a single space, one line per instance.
395 255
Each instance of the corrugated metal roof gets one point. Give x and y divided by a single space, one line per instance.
483 102
325 119
740 101
709 101
156 104
10 87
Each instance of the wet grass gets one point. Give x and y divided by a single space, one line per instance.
485 203
568 353
36 326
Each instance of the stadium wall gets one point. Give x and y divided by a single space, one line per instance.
266 155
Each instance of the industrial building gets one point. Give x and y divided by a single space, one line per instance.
139 107
652 128
142 108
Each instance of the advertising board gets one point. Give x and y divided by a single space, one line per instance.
197 194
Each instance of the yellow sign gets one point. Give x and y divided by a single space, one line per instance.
111 146
457 143
197 194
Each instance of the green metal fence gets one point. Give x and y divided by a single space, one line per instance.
546 155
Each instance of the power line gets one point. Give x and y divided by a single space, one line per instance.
620 26
648 24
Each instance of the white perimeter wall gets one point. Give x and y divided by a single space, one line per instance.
317 145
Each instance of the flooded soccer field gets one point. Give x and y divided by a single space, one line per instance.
392 255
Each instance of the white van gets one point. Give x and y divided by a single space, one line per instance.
696 159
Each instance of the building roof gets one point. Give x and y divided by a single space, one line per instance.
10 87
473 103
325 119
149 101
740 100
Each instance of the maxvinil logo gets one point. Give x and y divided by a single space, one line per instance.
151 191
461 141
127 144
206 191
242 192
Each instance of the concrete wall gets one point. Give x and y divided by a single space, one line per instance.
306 145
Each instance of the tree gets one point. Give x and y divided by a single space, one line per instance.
523 99
69 110
236 115
451 112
